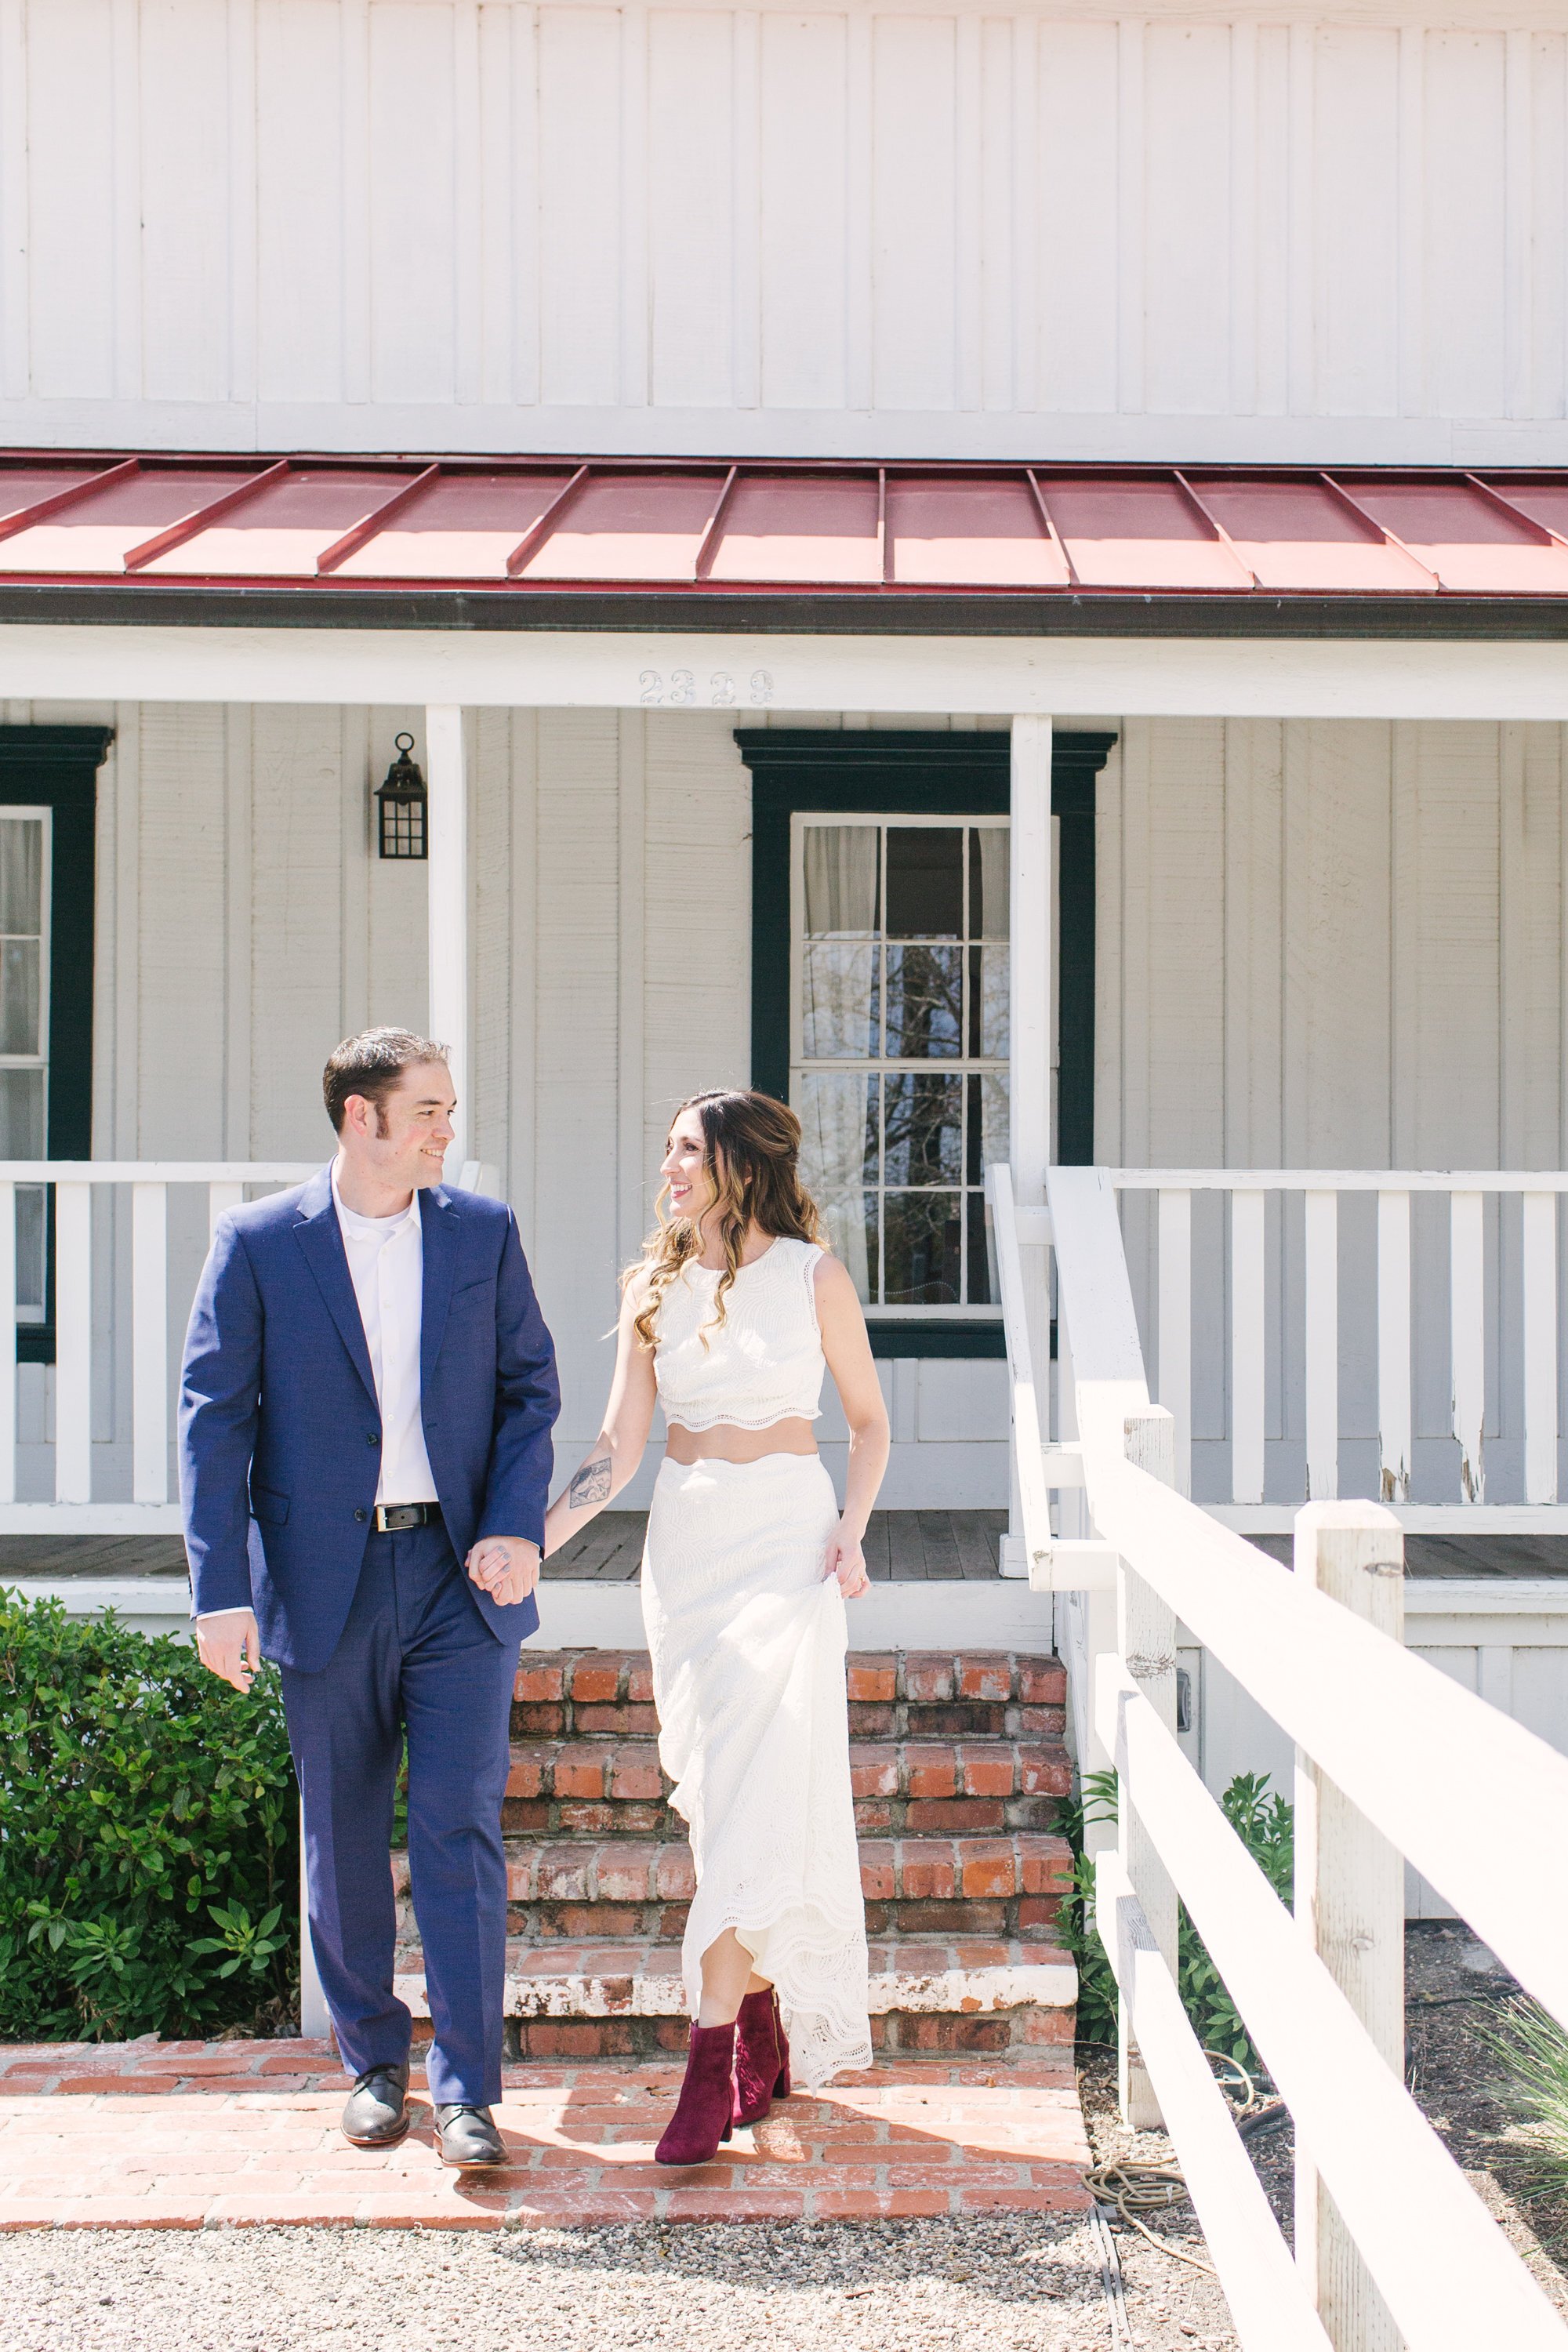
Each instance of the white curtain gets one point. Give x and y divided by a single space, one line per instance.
840 960
833 1165
994 871
840 880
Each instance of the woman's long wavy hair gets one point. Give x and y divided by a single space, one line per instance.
752 1157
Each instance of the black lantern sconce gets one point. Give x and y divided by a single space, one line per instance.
402 805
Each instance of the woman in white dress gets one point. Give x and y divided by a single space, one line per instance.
729 1320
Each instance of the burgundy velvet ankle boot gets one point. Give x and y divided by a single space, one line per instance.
761 2057
706 2107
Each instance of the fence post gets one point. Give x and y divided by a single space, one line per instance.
1349 1905
1146 1639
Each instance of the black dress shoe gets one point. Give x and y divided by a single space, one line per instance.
467 2135
376 2114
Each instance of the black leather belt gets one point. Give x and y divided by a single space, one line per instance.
390 1518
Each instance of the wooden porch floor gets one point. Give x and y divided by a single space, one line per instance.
902 1546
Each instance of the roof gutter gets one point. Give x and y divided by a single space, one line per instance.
1254 614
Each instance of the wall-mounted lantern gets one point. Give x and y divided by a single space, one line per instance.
401 804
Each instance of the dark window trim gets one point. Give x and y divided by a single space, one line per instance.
909 771
57 768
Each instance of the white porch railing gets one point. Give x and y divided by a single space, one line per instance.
1324 1301
129 1240
1393 1759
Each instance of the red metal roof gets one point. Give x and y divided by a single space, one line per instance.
781 527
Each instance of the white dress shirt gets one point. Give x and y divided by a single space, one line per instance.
386 1263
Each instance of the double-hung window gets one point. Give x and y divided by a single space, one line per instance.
898 1048
49 782
880 969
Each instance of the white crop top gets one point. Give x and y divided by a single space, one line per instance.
763 1363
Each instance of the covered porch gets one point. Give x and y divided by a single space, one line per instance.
1283 809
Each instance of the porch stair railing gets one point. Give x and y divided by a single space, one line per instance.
1394 1760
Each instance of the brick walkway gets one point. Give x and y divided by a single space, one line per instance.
188 2136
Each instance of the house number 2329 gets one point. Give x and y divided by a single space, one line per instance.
681 689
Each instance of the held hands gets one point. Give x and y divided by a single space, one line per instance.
847 1561
506 1567
230 1647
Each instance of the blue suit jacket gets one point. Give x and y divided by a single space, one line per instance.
280 1428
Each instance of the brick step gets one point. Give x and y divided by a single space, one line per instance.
893 1695
642 1888
628 2000
614 1788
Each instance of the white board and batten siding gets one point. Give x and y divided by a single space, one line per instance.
244 925
919 230
1333 945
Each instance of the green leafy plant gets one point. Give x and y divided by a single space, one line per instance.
142 1803
1264 1822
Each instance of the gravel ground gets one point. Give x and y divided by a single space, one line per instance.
1008 2284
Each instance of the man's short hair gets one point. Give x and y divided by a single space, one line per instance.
371 1065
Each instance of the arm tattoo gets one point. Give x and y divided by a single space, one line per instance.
591 1485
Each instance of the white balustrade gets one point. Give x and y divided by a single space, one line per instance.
94 1291
1396 1420
1248 1334
1503 1307
1538 1270
1397 1762
1175 1362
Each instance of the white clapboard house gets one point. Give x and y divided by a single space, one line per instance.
1002 571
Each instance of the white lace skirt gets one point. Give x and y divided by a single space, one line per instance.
748 1641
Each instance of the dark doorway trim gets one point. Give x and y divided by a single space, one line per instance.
57 768
918 773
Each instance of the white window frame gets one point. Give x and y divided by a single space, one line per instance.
957 1066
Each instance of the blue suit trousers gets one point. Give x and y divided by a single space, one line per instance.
417 1661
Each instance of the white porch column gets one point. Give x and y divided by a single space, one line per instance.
448 902
1032 958
1029 1060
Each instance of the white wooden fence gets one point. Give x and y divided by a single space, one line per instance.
1293 1312
123 1281
1394 1760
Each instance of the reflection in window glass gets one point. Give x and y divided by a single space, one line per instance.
925 1002
901 933
922 1249
922 1134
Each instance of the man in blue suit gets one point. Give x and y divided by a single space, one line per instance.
366 1401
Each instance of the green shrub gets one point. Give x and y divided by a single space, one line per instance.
1265 1824
149 1837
